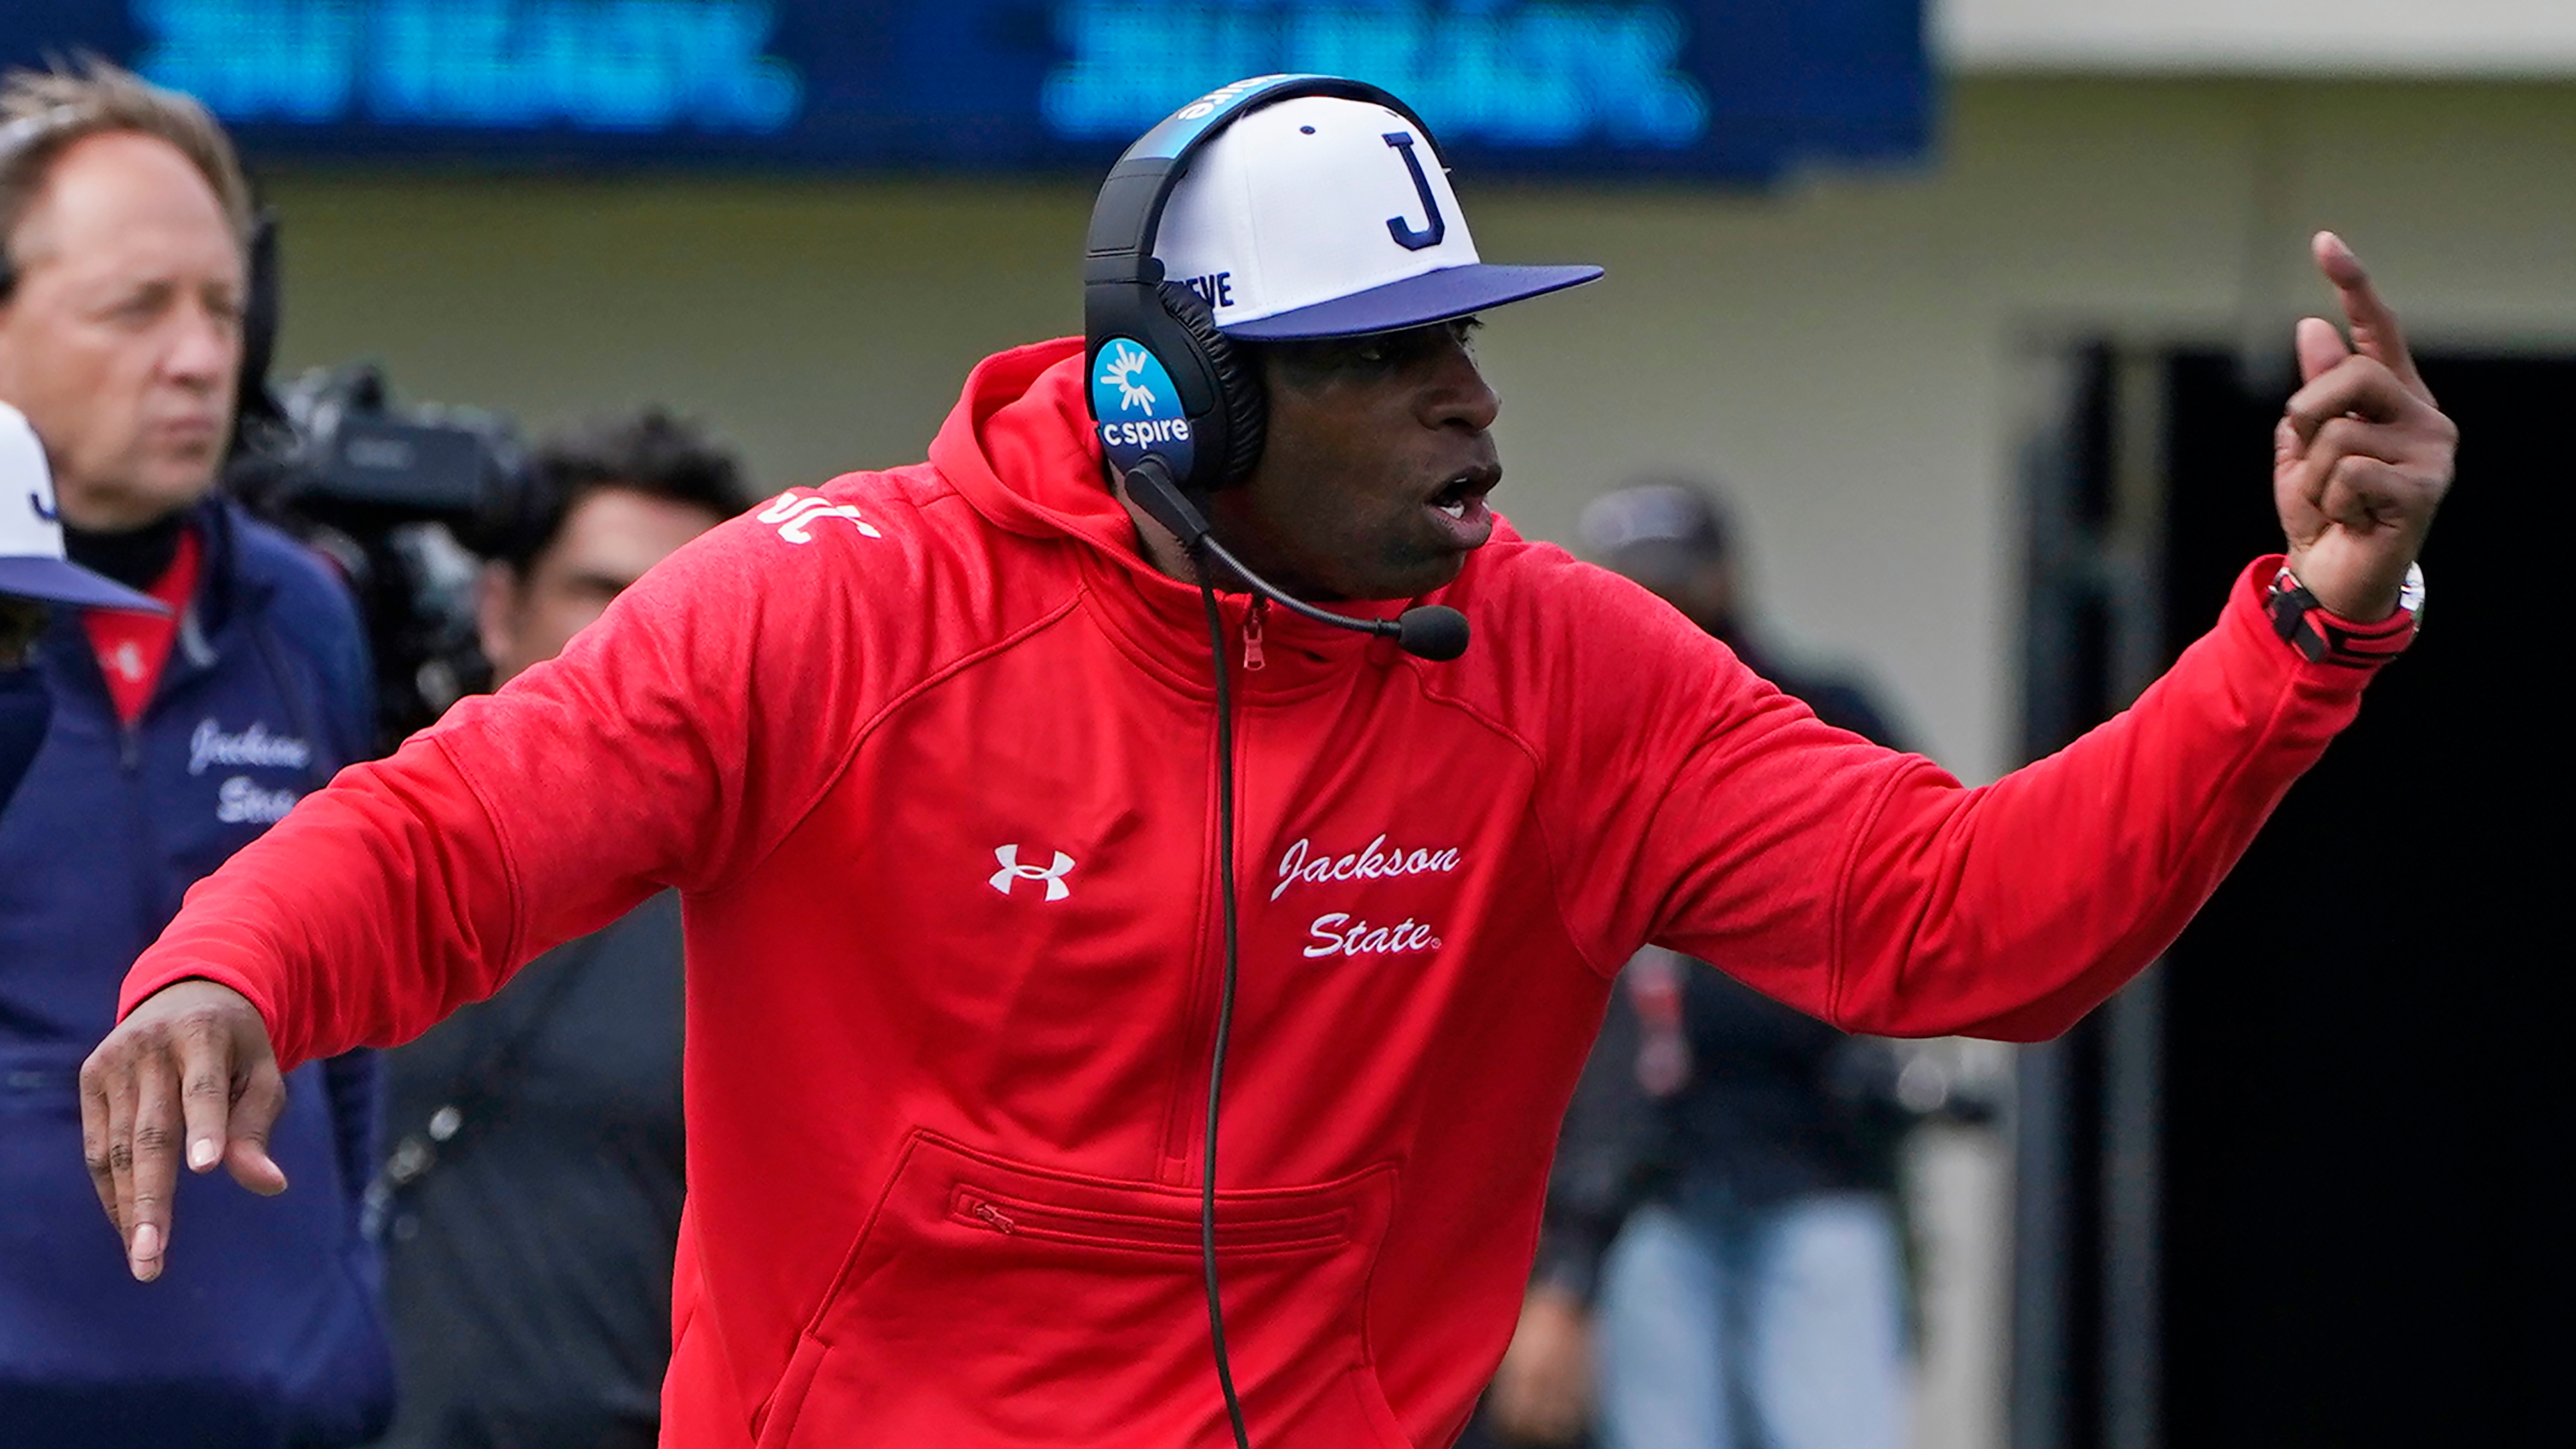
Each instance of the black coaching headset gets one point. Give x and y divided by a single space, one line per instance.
1143 331
1125 298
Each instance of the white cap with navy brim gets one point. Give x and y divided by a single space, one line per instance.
32 564
1321 216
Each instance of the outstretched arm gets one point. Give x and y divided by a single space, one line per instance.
1874 891
672 741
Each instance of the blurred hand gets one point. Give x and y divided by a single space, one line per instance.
2362 455
193 1060
1542 1391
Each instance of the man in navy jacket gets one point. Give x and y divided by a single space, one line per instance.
174 741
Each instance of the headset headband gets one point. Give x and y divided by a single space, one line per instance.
1124 221
1164 383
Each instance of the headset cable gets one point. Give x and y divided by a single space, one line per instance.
1225 992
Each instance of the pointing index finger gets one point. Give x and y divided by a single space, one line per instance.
2375 332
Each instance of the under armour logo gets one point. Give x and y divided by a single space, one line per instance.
44 510
795 515
1012 872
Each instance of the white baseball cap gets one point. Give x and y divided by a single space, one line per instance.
1322 216
32 564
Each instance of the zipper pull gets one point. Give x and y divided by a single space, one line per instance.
1252 660
994 1218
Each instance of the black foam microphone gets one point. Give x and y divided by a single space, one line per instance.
1426 631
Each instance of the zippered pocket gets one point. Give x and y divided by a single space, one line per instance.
996 1212
994 1301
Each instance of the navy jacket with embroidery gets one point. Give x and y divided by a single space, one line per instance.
269 1333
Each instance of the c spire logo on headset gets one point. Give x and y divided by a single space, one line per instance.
1138 407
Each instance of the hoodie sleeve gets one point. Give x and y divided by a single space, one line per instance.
673 744
1872 890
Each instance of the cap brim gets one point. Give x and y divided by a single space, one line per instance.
58 582
1413 302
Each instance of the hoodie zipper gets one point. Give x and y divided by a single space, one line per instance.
1252 656
1182 1137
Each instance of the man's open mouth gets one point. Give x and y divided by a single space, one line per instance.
1462 519
1464 494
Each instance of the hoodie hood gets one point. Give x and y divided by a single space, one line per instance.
1019 445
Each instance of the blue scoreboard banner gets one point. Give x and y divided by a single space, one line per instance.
1722 89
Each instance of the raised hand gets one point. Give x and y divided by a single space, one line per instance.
192 1061
2362 455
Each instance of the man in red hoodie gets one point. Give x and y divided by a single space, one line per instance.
933 757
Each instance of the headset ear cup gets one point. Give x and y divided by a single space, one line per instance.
1241 399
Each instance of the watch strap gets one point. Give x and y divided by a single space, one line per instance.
2322 637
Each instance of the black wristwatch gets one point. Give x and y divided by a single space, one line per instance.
2325 638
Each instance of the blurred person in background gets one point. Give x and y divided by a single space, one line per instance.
531 1206
1719 1266
175 740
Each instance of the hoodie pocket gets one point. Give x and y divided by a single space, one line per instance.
1000 1303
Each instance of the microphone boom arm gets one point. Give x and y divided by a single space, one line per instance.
1426 631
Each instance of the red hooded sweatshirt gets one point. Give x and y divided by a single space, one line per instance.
930 755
